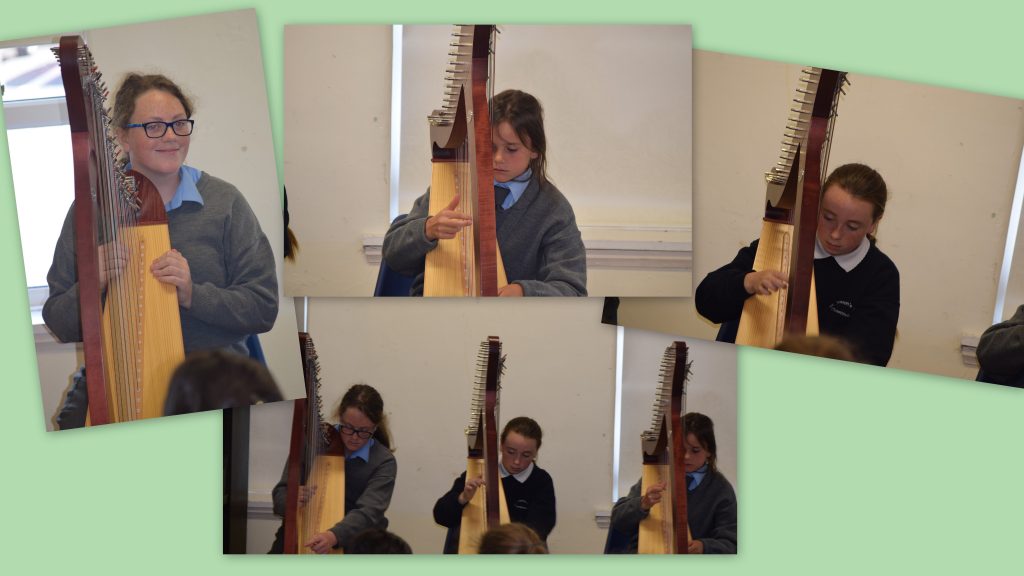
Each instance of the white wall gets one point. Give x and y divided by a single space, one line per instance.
217 61
949 158
618 119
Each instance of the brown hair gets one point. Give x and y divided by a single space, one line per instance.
821 346
861 182
135 85
215 379
525 427
512 538
525 115
367 400
704 430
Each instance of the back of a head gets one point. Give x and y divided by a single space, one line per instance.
377 541
215 379
821 346
512 538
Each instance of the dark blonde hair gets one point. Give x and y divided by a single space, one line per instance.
525 427
135 85
512 538
525 115
367 400
862 182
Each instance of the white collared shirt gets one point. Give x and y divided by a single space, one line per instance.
847 261
521 477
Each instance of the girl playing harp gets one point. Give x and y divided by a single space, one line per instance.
857 285
221 265
540 244
529 490
370 470
710 499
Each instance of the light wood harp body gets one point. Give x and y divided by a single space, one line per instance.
665 530
462 165
316 464
488 508
791 215
131 330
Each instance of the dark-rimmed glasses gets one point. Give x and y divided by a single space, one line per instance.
157 129
350 430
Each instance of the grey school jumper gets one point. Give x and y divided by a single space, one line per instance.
540 244
234 282
710 512
368 489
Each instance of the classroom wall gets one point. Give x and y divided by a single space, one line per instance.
634 81
337 116
232 140
949 158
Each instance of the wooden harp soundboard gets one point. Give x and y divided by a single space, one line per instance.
131 331
791 212
488 508
462 164
665 530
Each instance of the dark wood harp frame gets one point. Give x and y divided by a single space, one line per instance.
460 134
128 362
664 449
311 439
482 448
792 200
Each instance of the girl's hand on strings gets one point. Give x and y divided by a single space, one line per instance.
470 490
765 282
113 258
323 542
172 268
653 496
446 224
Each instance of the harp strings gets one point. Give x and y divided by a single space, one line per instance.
117 230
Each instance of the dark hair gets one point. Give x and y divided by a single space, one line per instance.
525 115
822 346
861 182
135 85
377 541
367 400
215 379
525 427
704 430
512 538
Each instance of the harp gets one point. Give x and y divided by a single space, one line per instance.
791 212
488 508
316 463
462 164
131 332
665 530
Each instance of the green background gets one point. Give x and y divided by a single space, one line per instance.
842 469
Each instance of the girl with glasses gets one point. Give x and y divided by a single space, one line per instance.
529 490
221 264
370 471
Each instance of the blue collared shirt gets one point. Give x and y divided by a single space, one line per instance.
516 187
363 452
698 477
187 191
